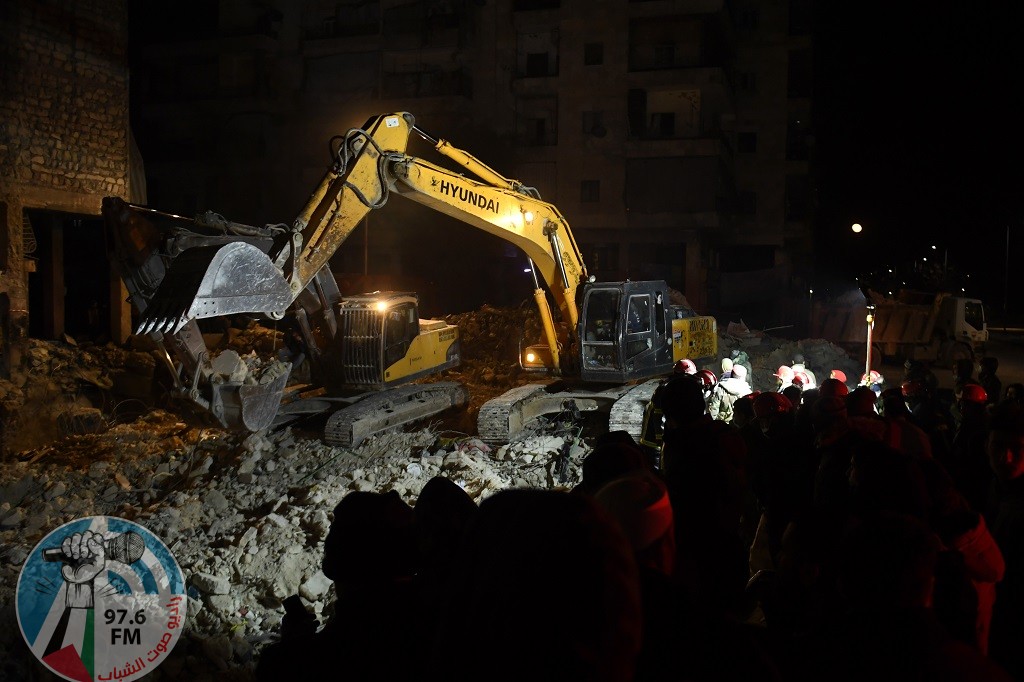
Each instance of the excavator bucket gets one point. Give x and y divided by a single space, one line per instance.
210 281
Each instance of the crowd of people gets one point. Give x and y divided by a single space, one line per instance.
834 532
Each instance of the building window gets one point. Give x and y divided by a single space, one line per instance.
748 19
746 202
798 139
593 123
662 124
537 121
801 17
746 143
800 76
798 197
593 54
604 258
590 191
537 64
665 54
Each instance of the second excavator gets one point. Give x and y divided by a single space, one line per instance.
607 342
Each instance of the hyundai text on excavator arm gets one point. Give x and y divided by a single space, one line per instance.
608 333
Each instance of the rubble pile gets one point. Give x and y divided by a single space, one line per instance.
491 339
246 516
64 389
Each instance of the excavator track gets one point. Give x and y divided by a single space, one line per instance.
627 413
350 426
504 418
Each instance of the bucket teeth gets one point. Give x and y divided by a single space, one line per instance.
215 281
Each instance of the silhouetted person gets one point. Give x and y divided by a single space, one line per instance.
548 590
370 554
885 628
611 458
967 461
783 465
640 504
931 415
1006 519
963 530
989 381
442 513
1013 393
903 433
915 370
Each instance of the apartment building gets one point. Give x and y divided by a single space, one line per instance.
673 134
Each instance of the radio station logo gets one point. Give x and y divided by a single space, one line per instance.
101 598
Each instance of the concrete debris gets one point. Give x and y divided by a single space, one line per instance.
246 517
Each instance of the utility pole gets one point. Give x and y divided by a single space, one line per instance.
867 354
1006 277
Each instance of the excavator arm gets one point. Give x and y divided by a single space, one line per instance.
184 273
370 163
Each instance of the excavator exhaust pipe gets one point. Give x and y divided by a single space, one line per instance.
211 281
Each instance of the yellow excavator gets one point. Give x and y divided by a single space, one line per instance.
604 340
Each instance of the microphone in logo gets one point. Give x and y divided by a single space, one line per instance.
126 548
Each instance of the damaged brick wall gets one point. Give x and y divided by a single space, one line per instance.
64 131
64 104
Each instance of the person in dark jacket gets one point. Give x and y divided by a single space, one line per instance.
1006 519
988 379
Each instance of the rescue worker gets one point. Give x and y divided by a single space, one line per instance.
874 381
672 397
799 365
989 381
726 368
915 370
929 414
740 357
784 377
685 366
727 392
967 462
708 382
903 434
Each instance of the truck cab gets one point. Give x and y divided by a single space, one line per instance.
963 321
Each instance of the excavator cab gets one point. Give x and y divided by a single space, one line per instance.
383 342
625 332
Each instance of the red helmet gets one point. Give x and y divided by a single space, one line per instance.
785 373
974 393
838 374
912 388
768 404
833 387
871 377
707 379
685 366
801 379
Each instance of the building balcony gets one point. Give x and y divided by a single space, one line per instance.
653 147
426 84
641 8
211 47
546 86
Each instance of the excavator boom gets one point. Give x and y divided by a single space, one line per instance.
265 271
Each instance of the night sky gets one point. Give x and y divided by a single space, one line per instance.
918 138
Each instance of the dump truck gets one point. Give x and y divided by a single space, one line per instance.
913 325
